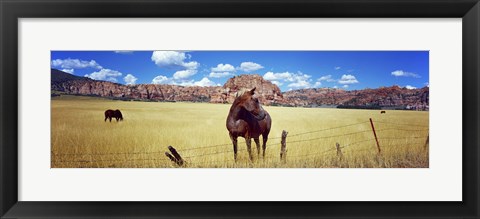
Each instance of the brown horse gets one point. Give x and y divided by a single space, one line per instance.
248 119
109 114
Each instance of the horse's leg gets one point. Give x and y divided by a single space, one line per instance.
257 142
248 140
105 119
264 146
234 141
110 118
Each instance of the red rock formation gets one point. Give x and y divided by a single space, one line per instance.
394 96
268 93
69 84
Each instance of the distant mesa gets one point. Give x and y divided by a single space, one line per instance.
60 77
393 97
268 93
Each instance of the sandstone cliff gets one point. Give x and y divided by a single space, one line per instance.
384 97
70 84
267 92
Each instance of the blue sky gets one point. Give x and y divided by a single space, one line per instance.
290 70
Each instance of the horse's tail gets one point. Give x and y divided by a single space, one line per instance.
106 115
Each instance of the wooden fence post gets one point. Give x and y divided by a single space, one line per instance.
283 149
426 142
170 157
375 134
339 150
176 156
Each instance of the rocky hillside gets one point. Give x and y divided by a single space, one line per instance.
268 93
69 84
384 97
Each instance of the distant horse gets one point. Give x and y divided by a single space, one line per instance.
109 114
383 112
248 119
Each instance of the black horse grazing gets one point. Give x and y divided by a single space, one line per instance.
248 119
109 114
383 112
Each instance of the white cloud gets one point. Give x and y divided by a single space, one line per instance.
317 84
184 74
338 68
74 64
191 65
105 75
166 58
278 83
223 68
130 79
220 74
165 80
400 73
162 80
70 71
299 85
204 82
172 59
285 76
69 65
295 80
277 76
410 87
427 84
327 78
249 66
348 79
345 86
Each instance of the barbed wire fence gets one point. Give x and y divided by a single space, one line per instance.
192 153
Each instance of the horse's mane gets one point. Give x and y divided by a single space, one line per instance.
241 92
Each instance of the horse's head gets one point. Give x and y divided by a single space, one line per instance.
118 114
252 105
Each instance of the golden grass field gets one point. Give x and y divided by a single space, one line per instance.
80 137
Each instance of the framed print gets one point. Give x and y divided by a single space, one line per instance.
261 100
209 108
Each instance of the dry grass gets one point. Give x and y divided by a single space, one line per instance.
80 137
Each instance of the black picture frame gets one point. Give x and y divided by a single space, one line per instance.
12 10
